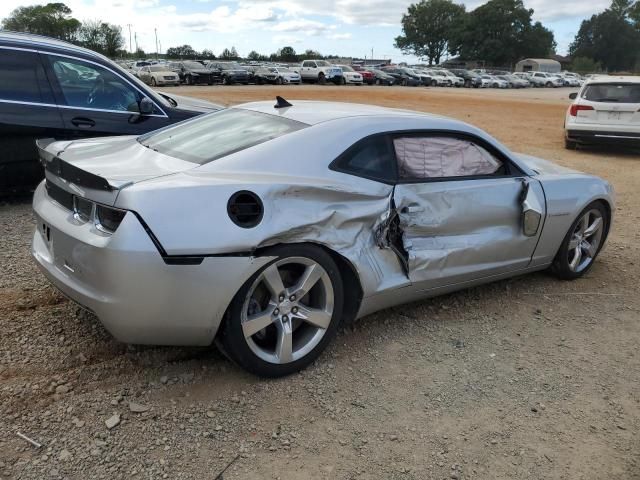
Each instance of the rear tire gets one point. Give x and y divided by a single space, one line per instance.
582 243
264 330
570 144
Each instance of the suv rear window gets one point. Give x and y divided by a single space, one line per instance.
217 135
613 92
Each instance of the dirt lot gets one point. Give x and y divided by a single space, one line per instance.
529 378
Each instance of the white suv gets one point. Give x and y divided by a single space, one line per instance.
543 79
606 110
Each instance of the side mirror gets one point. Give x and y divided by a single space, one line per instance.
146 106
573 95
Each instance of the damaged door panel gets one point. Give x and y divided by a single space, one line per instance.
461 230
388 235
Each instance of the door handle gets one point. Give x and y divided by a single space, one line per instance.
82 122
413 208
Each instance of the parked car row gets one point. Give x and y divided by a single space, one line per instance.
191 72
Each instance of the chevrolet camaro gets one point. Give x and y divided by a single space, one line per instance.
263 227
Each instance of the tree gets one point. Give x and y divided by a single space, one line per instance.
287 54
101 37
309 55
585 65
181 52
500 32
229 54
52 20
428 28
207 54
256 57
609 39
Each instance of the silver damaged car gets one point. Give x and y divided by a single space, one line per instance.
263 227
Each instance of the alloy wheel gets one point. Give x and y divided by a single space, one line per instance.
287 310
585 240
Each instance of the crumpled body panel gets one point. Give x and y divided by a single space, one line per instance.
461 230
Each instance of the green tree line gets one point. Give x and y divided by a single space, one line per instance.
502 32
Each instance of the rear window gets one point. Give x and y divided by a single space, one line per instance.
217 135
613 92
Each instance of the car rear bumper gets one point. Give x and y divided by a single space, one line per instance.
603 135
126 283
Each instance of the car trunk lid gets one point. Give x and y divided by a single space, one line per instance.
99 168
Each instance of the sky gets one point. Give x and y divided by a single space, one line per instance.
351 28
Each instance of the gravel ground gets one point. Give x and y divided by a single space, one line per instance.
529 378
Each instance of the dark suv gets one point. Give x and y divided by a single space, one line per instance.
471 79
403 76
192 72
52 89
229 72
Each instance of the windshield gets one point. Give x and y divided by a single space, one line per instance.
209 137
322 63
345 68
613 92
231 65
193 65
157 68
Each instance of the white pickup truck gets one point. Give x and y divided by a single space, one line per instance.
320 71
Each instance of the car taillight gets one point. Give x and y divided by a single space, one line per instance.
108 219
573 111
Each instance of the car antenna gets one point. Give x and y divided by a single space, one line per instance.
281 103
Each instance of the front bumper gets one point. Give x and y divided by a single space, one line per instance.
162 81
125 282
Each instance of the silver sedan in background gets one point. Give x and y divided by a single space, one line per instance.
207 231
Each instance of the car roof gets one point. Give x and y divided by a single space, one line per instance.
314 112
613 78
20 39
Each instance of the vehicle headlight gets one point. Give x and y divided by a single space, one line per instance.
108 219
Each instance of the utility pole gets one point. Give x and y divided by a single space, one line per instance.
372 54
160 46
155 31
135 37
129 25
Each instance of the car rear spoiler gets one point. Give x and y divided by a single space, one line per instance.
54 164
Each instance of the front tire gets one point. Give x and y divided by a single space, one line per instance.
286 314
153 82
582 243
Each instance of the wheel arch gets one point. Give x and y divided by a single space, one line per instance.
353 295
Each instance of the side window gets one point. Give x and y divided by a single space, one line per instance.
371 158
428 157
22 77
87 85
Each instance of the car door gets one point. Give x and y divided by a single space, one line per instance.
27 112
145 75
95 100
460 205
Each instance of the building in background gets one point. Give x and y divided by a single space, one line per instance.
538 65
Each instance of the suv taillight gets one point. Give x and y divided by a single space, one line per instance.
573 111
